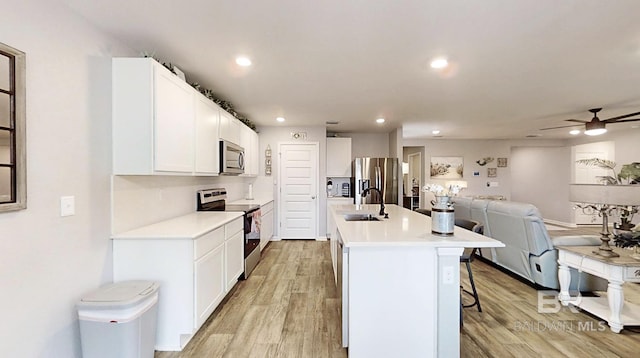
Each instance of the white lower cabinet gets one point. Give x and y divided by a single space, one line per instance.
234 256
194 276
266 229
210 285
332 229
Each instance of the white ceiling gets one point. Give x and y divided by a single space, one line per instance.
517 66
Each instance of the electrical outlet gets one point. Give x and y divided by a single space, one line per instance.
67 205
447 275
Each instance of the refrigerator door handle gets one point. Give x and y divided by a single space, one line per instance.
364 184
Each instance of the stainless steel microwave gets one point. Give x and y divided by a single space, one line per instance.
231 158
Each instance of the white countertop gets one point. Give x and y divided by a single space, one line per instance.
340 198
257 199
188 226
403 228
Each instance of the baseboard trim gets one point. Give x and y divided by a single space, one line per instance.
560 223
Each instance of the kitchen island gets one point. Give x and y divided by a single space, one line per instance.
399 283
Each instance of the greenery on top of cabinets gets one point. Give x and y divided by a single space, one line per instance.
224 104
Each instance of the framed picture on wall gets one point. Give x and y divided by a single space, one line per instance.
447 167
492 172
502 162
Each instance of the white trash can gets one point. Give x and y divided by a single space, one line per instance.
119 320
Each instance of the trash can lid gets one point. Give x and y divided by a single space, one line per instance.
125 292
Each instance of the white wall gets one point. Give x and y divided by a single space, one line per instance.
144 200
541 176
473 150
49 262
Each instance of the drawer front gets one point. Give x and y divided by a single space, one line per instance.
266 207
571 259
583 263
234 226
208 242
595 267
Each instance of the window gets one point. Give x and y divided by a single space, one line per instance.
12 129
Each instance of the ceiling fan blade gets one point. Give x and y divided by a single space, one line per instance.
626 120
575 120
573 125
615 119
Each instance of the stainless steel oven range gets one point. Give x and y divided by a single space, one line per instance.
215 200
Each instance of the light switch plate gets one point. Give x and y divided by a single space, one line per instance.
67 205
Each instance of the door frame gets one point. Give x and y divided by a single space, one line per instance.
279 186
411 159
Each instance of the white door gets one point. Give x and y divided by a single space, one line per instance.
298 190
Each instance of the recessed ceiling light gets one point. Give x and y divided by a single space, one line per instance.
435 132
243 61
574 132
380 120
439 63
280 119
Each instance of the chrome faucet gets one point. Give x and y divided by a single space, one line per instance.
367 190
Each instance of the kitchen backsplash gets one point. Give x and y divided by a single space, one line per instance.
142 200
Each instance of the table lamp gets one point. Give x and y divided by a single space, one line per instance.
604 199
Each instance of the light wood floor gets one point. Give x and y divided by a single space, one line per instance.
288 308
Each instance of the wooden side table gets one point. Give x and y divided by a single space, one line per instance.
616 270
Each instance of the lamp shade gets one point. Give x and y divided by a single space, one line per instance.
605 194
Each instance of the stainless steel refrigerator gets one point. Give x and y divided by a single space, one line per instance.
381 173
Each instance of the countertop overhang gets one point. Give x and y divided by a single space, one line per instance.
403 228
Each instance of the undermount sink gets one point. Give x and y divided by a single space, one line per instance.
360 217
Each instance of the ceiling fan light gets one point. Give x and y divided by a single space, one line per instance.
596 131
595 127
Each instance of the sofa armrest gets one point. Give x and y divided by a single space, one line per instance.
576 240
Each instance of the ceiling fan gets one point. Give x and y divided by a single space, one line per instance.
596 126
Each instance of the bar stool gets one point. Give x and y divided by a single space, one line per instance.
467 257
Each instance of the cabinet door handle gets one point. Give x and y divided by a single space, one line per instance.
313 196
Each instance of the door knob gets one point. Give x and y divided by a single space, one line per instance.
313 196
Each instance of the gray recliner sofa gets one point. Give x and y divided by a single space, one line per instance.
529 250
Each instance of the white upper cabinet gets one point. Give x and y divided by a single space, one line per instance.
207 148
338 157
174 121
249 141
230 127
153 119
